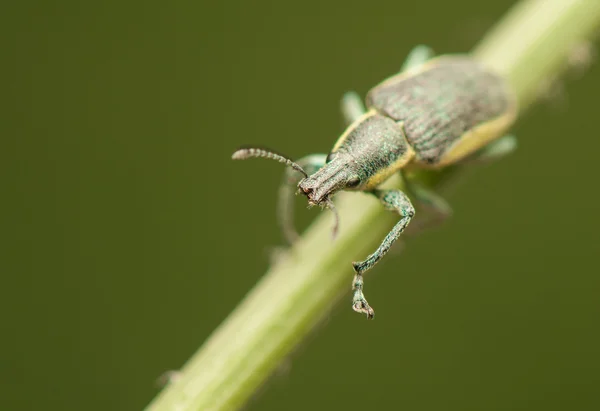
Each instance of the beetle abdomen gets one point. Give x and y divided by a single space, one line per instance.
443 101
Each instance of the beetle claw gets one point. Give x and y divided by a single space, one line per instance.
364 308
359 302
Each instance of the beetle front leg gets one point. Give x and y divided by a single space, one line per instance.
285 207
352 107
394 200
417 56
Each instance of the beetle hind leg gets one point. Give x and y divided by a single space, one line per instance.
285 207
394 200
417 56
493 151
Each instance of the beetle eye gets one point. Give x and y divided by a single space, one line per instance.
353 182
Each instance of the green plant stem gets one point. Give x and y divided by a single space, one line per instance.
531 47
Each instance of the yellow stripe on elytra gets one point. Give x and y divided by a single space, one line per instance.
386 172
351 128
478 137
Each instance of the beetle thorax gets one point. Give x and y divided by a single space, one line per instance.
374 147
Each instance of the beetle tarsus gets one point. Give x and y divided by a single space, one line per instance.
359 302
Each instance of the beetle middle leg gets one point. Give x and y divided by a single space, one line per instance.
352 107
285 207
394 200
417 56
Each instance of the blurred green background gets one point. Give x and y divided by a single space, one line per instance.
129 234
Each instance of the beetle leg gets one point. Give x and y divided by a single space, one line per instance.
352 107
437 209
417 56
394 200
493 151
285 207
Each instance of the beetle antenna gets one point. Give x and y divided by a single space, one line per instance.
245 153
336 224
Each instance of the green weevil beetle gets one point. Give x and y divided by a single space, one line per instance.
436 112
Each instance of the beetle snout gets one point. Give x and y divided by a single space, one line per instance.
307 187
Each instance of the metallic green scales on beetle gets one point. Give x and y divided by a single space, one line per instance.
434 113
